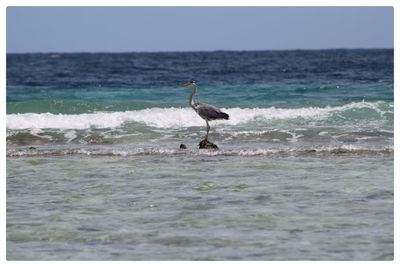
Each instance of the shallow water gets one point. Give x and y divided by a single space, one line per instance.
200 207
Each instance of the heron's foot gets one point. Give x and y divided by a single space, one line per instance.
205 144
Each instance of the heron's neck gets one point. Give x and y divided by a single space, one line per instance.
191 102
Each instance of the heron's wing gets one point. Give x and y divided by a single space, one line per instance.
209 112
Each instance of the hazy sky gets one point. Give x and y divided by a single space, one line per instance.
124 29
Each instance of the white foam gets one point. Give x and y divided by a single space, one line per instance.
70 135
167 117
36 132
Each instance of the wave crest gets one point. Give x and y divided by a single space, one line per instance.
185 117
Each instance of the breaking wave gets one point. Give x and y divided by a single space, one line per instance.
185 117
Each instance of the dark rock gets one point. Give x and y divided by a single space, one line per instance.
32 147
205 144
182 146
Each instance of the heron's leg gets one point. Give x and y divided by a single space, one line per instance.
208 129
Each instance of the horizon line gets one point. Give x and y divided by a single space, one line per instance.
198 51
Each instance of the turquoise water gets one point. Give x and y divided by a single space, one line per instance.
200 208
304 169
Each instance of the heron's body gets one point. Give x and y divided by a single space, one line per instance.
205 111
209 113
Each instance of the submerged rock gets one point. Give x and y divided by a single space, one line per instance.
205 144
182 146
96 139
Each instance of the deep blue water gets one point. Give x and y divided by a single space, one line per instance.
231 79
221 67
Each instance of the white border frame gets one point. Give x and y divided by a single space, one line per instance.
281 3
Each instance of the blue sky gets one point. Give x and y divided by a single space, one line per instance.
125 29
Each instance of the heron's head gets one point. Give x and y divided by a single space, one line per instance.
190 84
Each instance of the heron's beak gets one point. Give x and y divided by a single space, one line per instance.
186 85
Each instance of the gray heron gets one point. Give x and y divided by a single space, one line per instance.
205 111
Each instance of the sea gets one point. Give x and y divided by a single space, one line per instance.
304 169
